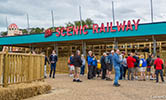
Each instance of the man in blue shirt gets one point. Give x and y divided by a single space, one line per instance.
116 63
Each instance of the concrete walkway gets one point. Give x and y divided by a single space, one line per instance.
64 89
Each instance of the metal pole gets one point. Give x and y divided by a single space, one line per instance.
113 14
52 14
28 23
84 48
7 24
154 46
151 2
115 44
80 15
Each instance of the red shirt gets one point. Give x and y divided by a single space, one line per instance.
130 62
158 62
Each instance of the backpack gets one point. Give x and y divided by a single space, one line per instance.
107 60
68 61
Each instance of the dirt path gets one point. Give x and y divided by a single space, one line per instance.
65 89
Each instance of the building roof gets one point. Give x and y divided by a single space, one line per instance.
13 26
147 30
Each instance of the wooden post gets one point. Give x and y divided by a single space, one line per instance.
126 48
30 68
5 70
150 48
160 49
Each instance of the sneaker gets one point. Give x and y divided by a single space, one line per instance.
78 80
74 80
109 79
116 85
71 75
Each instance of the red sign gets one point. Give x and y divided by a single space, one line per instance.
48 32
72 30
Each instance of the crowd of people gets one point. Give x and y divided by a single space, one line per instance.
126 67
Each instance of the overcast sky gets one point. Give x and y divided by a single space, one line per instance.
67 10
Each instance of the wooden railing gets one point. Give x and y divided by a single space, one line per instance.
18 68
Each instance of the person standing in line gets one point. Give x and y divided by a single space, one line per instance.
142 65
71 65
45 65
94 64
103 66
136 66
125 67
130 64
159 66
117 62
98 68
77 65
53 61
152 68
111 66
83 65
90 66
149 66
108 61
121 67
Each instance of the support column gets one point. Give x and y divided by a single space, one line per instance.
154 46
84 47
115 44
56 48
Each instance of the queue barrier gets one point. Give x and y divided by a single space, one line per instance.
19 67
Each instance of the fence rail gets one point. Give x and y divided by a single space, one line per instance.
17 68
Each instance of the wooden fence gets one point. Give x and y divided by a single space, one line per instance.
17 68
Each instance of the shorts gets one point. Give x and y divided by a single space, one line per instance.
71 67
152 70
109 67
136 69
148 69
142 69
77 70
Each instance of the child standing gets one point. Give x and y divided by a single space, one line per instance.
142 65
98 68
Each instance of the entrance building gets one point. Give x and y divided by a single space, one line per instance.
148 37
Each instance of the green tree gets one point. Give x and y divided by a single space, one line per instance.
89 22
24 31
36 30
4 34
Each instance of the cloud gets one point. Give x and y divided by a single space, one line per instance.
8 11
67 10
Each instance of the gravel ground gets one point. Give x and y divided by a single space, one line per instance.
64 89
